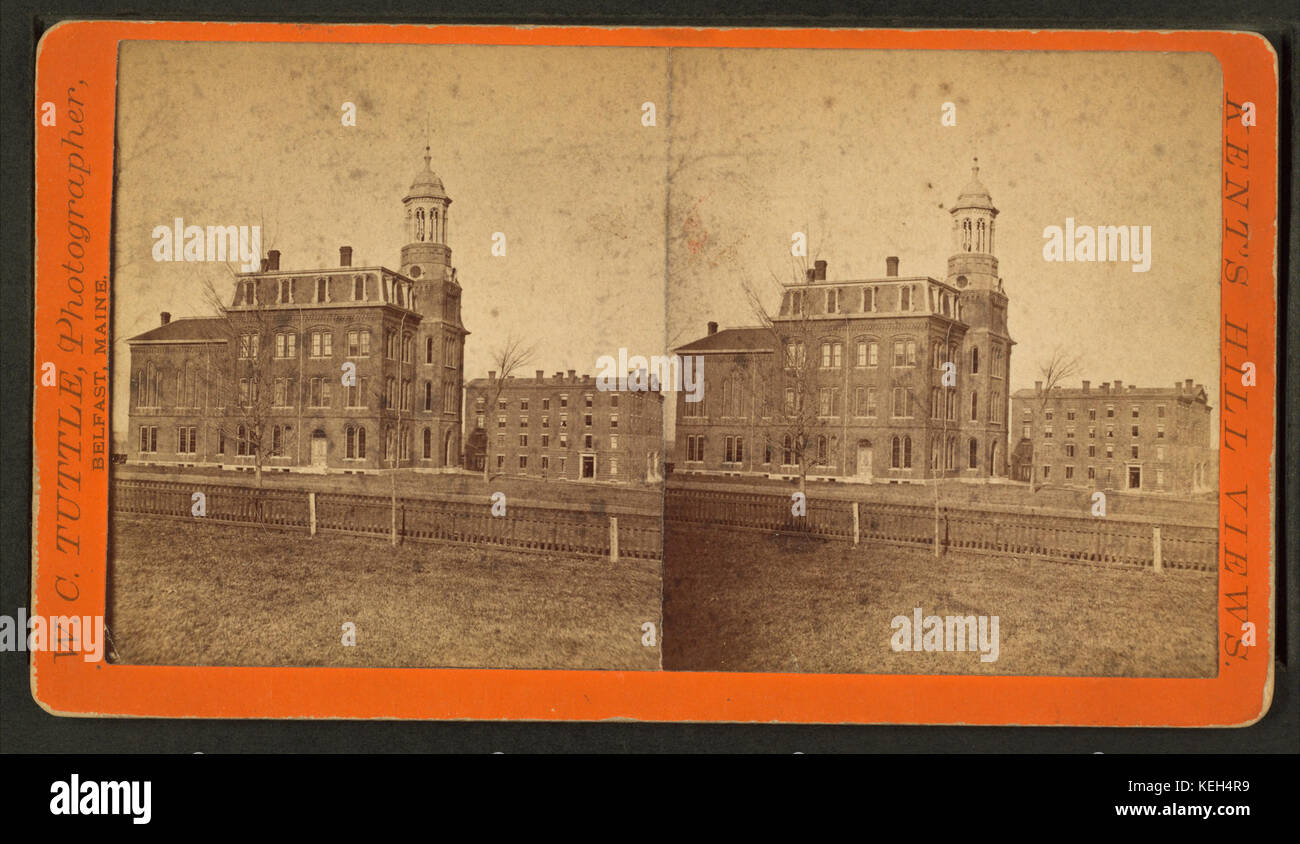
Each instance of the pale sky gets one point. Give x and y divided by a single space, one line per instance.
547 145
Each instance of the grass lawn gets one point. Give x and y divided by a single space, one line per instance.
188 593
749 601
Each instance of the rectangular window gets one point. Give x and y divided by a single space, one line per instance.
587 441
523 404
613 420
1134 452
546 440
523 441
1160 411
546 404
546 462
501 421
322 344
1069 472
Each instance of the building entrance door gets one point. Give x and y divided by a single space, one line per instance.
864 459
318 446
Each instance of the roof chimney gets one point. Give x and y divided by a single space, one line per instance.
713 328
1087 385
559 375
273 259
266 264
492 375
810 273
345 256
1119 386
891 266
572 372
1188 384
819 270
541 375
164 318
1038 386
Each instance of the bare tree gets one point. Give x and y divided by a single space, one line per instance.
241 379
508 358
790 398
1058 367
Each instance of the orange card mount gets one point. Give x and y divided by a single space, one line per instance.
75 129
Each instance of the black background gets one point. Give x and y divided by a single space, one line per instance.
25 728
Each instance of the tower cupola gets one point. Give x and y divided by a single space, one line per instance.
425 223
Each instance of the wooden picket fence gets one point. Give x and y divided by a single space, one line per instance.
526 526
1002 531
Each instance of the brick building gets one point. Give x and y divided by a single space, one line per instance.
563 426
345 368
1116 437
870 357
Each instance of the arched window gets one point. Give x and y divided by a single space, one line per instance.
419 224
240 435
428 395
787 458
965 234
974 454
428 444
979 239
361 443
975 359
896 454
428 350
907 452
974 405
821 448
350 435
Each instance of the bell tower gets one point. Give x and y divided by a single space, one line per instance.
426 257
973 265
440 339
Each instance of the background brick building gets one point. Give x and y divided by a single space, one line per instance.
347 368
871 356
1117 437
563 426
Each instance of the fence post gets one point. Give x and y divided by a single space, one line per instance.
311 511
1155 547
613 539
855 523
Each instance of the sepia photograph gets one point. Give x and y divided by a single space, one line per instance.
957 318
841 361
363 295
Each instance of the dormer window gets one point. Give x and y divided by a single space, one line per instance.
868 299
322 289
832 301
905 298
358 288
286 291
247 293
